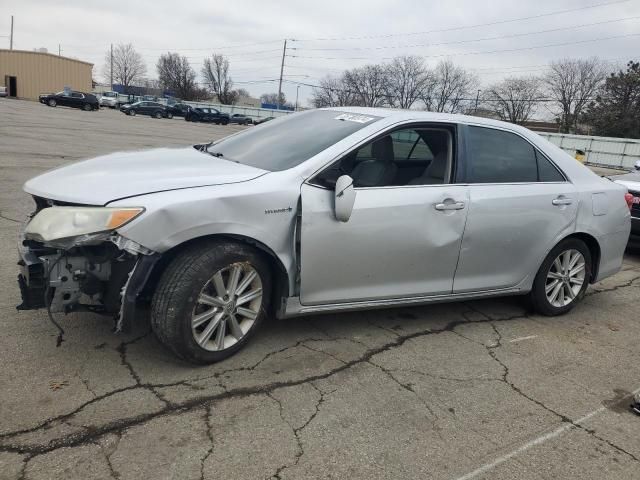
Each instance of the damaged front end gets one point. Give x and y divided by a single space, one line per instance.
66 267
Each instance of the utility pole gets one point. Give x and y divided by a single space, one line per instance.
111 76
11 37
59 51
297 91
477 97
284 53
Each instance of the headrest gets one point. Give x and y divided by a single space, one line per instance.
382 149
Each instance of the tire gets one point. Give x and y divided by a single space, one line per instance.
87 107
169 115
225 122
52 102
157 114
565 286
132 113
175 302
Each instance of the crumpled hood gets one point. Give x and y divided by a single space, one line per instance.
119 175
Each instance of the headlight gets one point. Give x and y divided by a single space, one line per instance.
61 222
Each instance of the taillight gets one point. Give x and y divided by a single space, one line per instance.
629 199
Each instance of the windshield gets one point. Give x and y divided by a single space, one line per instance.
287 142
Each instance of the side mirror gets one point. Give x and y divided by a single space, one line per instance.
345 197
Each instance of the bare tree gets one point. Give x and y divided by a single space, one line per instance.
448 88
515 99
368 84
407 79
572 83
216 74
272 99
175 73
128 66
332 92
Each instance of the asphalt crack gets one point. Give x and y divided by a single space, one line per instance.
296 430
122 350
207 421
3 216
92 433
491 349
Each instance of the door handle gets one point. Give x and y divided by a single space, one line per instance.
449 206
561 200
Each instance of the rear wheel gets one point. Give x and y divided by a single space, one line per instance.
52 102
563 278
210 300
169 115
157 114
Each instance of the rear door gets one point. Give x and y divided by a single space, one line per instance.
520 205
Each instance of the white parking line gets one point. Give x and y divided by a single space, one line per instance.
520 339
532 443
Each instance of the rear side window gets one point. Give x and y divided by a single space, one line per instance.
499 157
547 172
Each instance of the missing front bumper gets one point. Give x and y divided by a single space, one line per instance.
103 278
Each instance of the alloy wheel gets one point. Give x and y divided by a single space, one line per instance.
565 278
227 307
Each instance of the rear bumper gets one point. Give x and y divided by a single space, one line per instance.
635 226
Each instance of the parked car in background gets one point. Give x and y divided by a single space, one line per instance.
258 121
85 101
153 109
3 91
177 110
148 98
206 114
320 211
110 99
240 119
632 182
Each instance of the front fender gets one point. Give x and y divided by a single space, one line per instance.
248 209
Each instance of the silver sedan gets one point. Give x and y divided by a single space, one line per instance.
320 211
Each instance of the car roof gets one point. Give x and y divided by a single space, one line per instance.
404 115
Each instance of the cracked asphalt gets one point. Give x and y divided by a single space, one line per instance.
479 389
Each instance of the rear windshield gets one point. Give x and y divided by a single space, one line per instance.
286 142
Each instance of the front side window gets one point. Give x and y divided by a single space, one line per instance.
284 143
409 156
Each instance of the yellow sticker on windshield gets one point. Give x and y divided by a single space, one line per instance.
354 118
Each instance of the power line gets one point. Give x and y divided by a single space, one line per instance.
477 53
465 27
456 42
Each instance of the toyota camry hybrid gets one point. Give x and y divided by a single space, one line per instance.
320 211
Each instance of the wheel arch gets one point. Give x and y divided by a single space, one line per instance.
280 276
594 249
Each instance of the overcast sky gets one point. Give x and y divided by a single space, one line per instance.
331 35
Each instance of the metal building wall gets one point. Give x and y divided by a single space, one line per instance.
611 152
38 73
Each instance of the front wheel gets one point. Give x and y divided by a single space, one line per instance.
52 102
132 112
87 107
169 115
563 278
210 300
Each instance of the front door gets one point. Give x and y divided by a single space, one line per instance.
403 237
520 206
